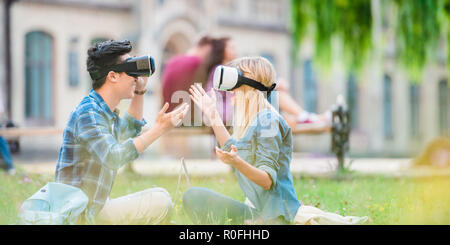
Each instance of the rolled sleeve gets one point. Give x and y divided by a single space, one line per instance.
130 149
272 173
267 154
134 122
227 146
130 127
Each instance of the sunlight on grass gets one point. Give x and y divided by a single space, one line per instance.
384 200
428 203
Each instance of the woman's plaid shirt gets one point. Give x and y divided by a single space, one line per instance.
96 143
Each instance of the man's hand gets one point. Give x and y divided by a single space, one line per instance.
141 83
228 157
166 121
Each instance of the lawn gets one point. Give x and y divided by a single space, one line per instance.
384 200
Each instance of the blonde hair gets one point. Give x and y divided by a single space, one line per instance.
250 101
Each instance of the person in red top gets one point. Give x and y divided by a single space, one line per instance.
183 70
179 73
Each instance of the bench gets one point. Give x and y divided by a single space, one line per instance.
38 131
340 130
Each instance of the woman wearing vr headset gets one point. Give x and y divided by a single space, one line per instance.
260 149
222 52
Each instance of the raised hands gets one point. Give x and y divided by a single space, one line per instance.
207 103
166 121
163 123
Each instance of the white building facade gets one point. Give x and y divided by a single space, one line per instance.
50 38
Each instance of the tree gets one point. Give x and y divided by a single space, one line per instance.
348 21
419 26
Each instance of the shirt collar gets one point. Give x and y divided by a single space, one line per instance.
98 98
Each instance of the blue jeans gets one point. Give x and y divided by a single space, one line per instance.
5 154
204 206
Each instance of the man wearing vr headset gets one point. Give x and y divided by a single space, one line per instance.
97 142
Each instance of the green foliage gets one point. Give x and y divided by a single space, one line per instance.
299 21
325 19
419 28
447 25
420 25
349 21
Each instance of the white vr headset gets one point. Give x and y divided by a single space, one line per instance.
228 78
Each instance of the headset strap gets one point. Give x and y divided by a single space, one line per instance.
123 67
254 84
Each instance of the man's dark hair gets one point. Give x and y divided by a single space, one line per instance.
105 54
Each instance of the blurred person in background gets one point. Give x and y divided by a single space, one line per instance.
178 75
223 51
183 70
292 112
6 162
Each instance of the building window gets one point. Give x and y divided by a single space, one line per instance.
309 87
414 101
444 107
74 78
387 107
38 78
352 100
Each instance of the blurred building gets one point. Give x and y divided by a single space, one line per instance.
2 50
391 115
50 38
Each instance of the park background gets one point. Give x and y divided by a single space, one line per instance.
389 59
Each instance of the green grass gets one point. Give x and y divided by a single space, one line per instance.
384 200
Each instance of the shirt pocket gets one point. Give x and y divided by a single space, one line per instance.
245 151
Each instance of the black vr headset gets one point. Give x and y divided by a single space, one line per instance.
133 66
228 78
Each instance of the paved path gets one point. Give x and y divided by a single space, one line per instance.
304 166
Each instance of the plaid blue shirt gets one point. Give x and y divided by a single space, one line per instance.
96 143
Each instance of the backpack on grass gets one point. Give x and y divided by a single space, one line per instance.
53 204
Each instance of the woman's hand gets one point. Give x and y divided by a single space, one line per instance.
258 176
204 101
208 106
230 158
166 121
